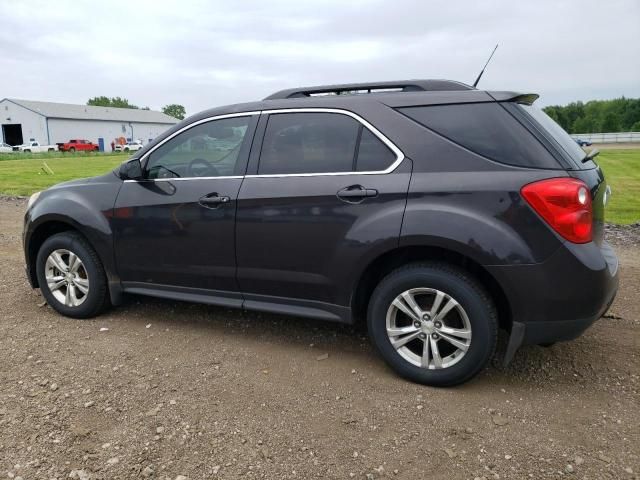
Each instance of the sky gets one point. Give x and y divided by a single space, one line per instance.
203 54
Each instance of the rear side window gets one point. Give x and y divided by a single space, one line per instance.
308 143
486 129
299 143
373 154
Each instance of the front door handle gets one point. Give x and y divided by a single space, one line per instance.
213 200
356 193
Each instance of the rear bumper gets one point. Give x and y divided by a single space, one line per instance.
557 300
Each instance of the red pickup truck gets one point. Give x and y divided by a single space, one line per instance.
79 145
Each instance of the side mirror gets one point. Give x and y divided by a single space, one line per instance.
131 170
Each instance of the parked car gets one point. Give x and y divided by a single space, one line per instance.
5 148
78 145
35 147
128 147
435 212
582 143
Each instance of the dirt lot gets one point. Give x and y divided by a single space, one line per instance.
175 389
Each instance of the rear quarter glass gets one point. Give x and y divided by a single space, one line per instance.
486 129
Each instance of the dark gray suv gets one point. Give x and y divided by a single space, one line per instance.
437 212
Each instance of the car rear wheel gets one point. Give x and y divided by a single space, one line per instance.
71 276
72 150
433 324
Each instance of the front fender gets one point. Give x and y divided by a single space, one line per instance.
86 208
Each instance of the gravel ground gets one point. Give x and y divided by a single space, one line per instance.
160 389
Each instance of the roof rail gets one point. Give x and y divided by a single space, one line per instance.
373 87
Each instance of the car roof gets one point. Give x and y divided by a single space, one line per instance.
397 94
394 94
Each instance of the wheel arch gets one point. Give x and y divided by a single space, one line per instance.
53 225
380 266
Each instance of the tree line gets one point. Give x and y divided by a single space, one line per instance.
596 116
173 109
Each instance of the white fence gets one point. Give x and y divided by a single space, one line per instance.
620 137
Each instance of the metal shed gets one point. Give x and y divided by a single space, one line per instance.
50 122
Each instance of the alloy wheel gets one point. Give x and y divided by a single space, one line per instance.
67 277
428 328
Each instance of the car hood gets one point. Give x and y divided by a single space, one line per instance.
108 177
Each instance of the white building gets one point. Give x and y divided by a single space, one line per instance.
49 123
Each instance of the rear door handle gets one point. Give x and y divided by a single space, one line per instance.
356 192
213 200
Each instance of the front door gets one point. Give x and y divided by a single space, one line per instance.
174 230
327 194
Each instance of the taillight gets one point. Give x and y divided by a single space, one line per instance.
565 204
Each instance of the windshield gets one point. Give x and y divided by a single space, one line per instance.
567 143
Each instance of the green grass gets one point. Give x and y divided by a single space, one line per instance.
47 155
622 171
23 176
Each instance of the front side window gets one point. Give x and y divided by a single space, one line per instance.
210 149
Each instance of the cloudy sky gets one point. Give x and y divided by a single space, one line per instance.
207 53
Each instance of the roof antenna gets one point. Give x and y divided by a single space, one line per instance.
485 66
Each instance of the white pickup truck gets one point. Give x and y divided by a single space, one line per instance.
35 147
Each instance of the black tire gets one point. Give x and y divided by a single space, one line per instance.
27 151
466 290
72 150
97 297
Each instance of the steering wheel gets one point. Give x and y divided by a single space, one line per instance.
208 170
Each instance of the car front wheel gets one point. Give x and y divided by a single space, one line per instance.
433 324
71 276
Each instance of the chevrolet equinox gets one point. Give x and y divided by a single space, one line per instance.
437 212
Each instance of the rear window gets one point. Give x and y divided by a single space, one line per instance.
486 129
555 131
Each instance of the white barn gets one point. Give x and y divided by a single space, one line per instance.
49 123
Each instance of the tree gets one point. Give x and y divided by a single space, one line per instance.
610 123
583 125
174 110
617 115
117 102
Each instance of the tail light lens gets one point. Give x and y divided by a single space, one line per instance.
565 204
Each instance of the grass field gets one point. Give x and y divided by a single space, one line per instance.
23 176
622 170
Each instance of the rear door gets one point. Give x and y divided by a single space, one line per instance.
174 230
325 192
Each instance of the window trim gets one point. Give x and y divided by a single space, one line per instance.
398 153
